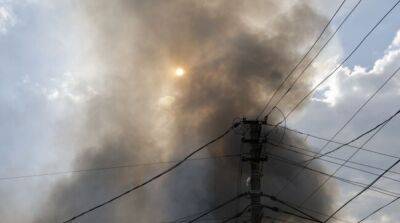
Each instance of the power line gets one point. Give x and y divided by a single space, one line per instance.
276 209
274 126
185 218
308 161
336 163
322 214
274 219
156 176
362 191
342 128
332 157
379 209
341 165
291 162
182 219
311 210
345 60
360 108
113 167
358 137
358 111
315 212
273 198
226 219
355 183
238 215
218 207
302 59
318 53
341 143
255 192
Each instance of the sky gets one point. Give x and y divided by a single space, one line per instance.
47 73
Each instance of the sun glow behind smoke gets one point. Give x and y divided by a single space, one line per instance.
179 72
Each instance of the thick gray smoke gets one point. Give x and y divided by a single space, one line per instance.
235 53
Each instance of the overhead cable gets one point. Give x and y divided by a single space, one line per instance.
218 207
352 182
317 54
302 59
378 210
344 60
362 191
156 176
278 210
276 146
358 137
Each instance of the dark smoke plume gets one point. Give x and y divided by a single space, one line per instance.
235 54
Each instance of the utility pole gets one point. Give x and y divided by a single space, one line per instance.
255 159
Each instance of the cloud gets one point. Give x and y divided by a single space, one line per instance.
396 41
385 218
7 19
68 87
336 101
349 81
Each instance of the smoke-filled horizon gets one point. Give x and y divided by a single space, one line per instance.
234 54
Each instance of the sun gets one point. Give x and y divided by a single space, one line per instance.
179 71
